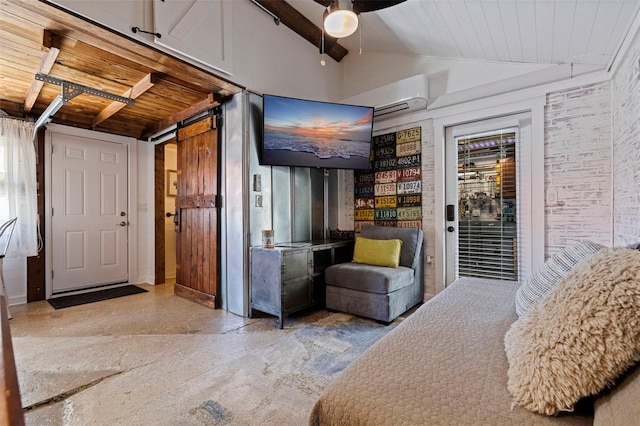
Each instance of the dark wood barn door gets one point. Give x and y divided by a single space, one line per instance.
197 210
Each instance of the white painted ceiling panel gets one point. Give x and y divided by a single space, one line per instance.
509 19
482 31
585 32
582 31
456 32
545 19
467 29
527 19
562 29
599 40
493 17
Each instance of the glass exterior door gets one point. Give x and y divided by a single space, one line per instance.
486 188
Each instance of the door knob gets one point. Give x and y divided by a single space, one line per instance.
169 214
451 229
123 223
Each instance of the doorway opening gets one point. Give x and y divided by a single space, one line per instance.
170 192
165 206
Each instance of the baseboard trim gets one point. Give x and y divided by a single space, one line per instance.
205 299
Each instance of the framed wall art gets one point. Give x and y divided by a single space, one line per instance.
172 183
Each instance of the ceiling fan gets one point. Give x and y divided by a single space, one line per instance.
341 16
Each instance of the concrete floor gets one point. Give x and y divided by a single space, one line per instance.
155 358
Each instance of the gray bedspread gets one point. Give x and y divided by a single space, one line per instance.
444 365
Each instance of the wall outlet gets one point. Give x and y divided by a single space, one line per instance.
552 197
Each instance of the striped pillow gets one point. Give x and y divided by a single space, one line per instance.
546 277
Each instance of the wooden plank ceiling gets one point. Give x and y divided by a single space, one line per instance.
38 38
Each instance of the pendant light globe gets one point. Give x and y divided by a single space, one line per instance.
341 21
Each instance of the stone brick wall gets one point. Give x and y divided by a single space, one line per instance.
428 205
625 87
578 166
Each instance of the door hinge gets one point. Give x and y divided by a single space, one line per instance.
52 274
51 211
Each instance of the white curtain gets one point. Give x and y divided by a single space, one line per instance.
18 194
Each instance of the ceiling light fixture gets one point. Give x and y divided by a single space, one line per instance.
340 20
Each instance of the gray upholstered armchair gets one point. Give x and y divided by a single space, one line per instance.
379 292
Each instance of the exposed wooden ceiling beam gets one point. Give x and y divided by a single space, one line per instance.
304 27
14 109
51 48
213 100
146 83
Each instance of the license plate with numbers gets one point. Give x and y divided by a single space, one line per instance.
359 224
384 140
385 164
388 176
385 189
386 214
388 201
411 187
365 214
408 135
363 178
408 161
390 223
409 213
409 224
410 200
384 152
409 148
363 191
410 173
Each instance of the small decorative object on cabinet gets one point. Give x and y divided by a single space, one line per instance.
290 277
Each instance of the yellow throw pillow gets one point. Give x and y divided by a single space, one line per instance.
377 252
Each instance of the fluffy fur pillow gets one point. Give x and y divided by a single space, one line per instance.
580 336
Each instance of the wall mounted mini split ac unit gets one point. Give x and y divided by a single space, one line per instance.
400 97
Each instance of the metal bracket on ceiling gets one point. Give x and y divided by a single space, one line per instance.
71 90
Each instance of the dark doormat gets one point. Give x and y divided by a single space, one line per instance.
94 296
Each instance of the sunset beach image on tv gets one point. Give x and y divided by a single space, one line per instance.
306 133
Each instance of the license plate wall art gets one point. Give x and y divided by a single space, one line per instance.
390 194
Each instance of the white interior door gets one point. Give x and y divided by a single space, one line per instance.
89 218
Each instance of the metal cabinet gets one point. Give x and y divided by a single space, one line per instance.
289 278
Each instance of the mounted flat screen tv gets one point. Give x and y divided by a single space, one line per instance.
304 133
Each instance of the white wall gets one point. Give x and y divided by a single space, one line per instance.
145 211
273 59
577 164
625 109
15 279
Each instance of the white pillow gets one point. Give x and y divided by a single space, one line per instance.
548 275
